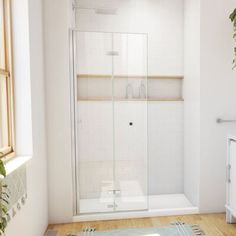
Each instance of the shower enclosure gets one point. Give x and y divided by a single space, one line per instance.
110 81
129 122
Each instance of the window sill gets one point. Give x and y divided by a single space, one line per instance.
15 163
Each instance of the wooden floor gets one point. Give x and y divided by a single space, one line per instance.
212 224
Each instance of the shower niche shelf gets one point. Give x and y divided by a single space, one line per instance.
160 77
130 100
97 87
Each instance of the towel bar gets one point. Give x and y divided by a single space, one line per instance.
219 121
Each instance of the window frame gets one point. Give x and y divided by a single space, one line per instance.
8 151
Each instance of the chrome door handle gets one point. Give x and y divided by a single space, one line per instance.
114 191
112 205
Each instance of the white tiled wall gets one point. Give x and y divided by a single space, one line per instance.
156 125
93 49
105 151
131 60
95 131
165 143
162 20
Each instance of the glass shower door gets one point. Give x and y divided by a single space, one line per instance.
130 121
111 163
95 172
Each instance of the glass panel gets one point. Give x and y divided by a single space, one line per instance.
130 121
3 113
2 41
95 122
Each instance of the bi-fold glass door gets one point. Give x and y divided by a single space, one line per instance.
111 104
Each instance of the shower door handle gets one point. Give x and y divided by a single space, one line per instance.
112 205
228 169
114 191
117 192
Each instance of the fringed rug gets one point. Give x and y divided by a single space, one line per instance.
175 229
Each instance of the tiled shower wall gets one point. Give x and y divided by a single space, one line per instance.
164 119
161 132
162 20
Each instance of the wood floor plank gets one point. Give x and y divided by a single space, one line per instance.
212 224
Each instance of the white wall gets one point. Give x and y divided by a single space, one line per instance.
95 124
92 59
32 220
163 22
191 99
209 93
165 147
218 99
165 141
57 23
161 19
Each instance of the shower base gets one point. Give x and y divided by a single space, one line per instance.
159 205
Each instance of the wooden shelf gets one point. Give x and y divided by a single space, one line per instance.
178 77
130 100
93 76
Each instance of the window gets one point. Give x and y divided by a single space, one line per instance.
6 83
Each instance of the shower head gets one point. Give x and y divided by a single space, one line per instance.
99 11
106 11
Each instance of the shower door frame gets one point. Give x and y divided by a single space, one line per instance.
74 126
